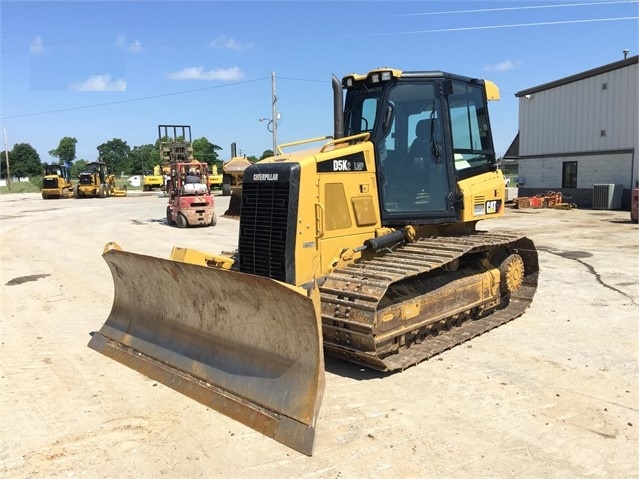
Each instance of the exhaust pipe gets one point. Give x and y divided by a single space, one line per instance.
338 108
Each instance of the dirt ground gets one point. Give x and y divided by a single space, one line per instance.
553 394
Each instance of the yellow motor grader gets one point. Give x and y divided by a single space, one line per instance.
363 245
113 189
96 182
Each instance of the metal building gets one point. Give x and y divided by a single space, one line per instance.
580 135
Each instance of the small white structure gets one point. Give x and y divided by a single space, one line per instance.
135 180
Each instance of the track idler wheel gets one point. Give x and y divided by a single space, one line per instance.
512 274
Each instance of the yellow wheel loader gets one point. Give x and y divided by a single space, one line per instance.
56 182
364 247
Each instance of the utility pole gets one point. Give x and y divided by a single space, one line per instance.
6 155
274 113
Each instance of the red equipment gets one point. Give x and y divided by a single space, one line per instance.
190 200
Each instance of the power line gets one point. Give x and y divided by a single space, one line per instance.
131 100
504 9
302 79
491 27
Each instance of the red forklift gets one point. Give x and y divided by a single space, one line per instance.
190 200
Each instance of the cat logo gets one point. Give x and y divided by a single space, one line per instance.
493 206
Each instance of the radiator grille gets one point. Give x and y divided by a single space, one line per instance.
50 183
263 229
86 179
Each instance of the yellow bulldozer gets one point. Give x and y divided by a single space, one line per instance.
56 182
364 247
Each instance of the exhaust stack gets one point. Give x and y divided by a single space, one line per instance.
338 108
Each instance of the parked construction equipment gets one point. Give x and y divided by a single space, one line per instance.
364 247
153 179
549 199
232 181
113 189
188 187
216 179
56 182
96 182
190 200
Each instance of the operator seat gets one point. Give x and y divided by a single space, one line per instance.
429 171
420 148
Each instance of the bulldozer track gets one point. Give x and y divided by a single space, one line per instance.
351 297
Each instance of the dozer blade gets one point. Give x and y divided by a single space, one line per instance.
246 346
235 202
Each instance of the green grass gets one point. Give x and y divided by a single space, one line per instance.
34 185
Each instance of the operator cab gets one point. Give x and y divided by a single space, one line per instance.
429 130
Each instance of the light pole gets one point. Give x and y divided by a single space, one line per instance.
275 116
272 127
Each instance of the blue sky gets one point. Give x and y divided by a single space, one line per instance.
102 70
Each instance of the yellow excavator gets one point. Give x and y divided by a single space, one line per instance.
363 247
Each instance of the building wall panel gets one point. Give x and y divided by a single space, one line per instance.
571 117
591 170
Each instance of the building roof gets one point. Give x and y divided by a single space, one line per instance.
580 76
512 153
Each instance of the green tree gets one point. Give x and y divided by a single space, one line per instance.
65 152
24 161
206 152
78 167
3 164
116 154
143 158
266 154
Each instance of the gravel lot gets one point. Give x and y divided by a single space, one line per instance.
554 393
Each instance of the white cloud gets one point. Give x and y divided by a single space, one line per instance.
198 73
134 47
36 46
99 83
230 44
502 66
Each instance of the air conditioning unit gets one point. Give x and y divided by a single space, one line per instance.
606 197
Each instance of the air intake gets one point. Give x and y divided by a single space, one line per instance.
606 197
